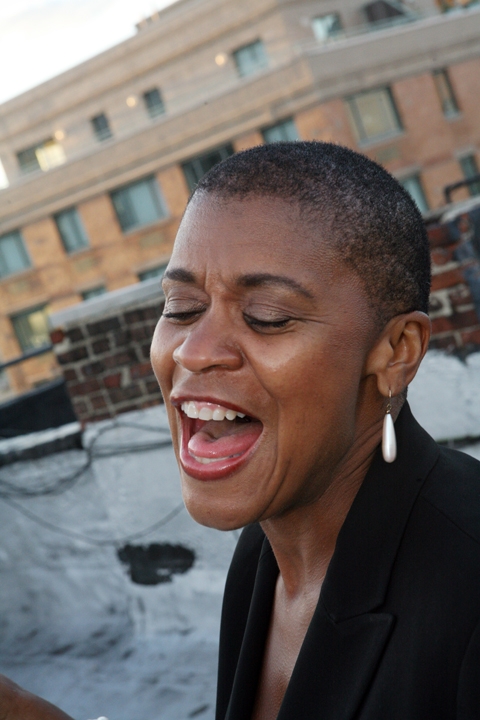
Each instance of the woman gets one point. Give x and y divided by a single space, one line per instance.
295 318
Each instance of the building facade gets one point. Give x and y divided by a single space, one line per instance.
98 163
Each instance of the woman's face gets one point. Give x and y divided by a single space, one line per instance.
260 319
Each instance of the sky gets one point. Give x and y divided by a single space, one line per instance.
41 38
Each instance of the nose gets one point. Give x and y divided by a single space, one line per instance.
209 344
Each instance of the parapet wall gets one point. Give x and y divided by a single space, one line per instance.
455 297
103 348
103 345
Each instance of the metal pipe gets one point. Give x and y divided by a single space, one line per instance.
26 356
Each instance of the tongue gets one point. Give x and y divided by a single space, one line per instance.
202 444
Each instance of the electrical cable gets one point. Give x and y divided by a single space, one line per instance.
86 538
8 491
61 485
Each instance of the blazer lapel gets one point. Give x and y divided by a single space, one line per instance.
336 664
348 632
251 654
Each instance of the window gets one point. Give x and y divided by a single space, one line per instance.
71 230
445 93
413 185
138 204
386 12
153 102
327 27
285 130
195 169
250 58
94 292
43 156
13 254
374 115
101 127
31 329
152 273
470 169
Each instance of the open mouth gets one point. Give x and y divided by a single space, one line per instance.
216 440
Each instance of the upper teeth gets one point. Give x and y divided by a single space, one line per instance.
209 412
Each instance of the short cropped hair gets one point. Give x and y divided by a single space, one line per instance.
373 223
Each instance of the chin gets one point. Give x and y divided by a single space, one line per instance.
219 515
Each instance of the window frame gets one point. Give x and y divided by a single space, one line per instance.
192 170
151 109
101 133
40 156
27 347
441 76
330 37
93 292
156 195
23 252
473 188
363 138
416 176
245 71
153 272
84 244
279 126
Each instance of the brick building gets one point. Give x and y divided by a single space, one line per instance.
97 163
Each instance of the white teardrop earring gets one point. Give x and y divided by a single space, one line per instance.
389 441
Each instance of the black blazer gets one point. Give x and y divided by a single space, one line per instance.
396 632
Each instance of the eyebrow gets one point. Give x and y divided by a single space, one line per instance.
259 279
247 281
180 275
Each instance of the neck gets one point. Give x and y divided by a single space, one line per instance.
303 539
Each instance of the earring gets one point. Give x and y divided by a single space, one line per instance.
389 441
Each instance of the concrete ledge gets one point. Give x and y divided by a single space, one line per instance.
39 444
108 304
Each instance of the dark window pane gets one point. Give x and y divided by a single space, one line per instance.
71 230
138 204
94 292
384 12
445 93
28 161
413 186
31 329
154 103
374 115
195 169
13 254
101 127
152 273
250 58
285 130
470 169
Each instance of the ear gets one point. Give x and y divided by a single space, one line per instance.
398 352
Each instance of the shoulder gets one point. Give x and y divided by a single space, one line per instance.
453 489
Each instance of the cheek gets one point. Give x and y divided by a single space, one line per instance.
314 384
161 356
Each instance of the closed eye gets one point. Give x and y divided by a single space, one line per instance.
181 316
256 323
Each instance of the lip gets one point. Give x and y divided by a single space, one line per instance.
222 469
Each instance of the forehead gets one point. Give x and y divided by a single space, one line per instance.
256 231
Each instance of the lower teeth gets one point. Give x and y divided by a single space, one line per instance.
207 461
